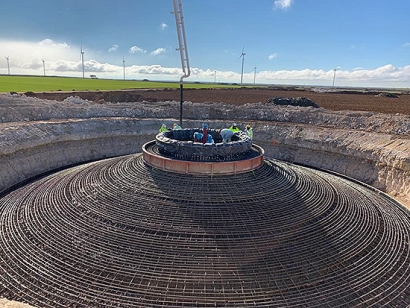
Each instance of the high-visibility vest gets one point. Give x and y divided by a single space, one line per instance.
235 130
249 132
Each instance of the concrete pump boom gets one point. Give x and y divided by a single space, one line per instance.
183 50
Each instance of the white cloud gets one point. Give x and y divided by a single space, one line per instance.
66 66
136 49
155 70
34 64
89 66
29 55
50 42
272 56
387 75
95 66
407 44
113 48
158 51
164 26
282 4
64 60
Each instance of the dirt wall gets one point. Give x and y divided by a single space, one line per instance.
39 136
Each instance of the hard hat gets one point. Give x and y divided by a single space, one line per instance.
234 124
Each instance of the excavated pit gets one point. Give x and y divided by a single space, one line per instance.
121 233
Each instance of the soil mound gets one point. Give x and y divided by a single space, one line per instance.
298 101
390 95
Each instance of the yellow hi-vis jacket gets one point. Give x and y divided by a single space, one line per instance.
234 129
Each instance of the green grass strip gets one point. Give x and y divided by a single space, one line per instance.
13 83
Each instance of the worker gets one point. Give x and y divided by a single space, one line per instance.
176 127
249 131
210 139
226 135
234 128
198 137
163 128
204 133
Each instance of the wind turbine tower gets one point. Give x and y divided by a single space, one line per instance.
8 63
82 58
243 61
334 76
123 66
254 75
44 66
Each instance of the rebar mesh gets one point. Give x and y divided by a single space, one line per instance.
117 233
179 145
218 156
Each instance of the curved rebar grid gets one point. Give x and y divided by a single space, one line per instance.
118 233
180 145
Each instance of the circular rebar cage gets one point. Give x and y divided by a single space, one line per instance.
118 233
180 144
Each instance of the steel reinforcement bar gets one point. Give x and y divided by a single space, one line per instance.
119 233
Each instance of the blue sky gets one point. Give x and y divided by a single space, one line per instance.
288 41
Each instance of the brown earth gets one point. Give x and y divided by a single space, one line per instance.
341 100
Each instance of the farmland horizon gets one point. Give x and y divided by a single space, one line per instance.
40 83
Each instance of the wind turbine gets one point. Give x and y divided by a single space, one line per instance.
254 74
8 63
123 66
44 66
82 58
243 61
334 75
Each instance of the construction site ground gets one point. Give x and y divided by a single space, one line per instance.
355 100
330 99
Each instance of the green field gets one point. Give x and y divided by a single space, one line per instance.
49 84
